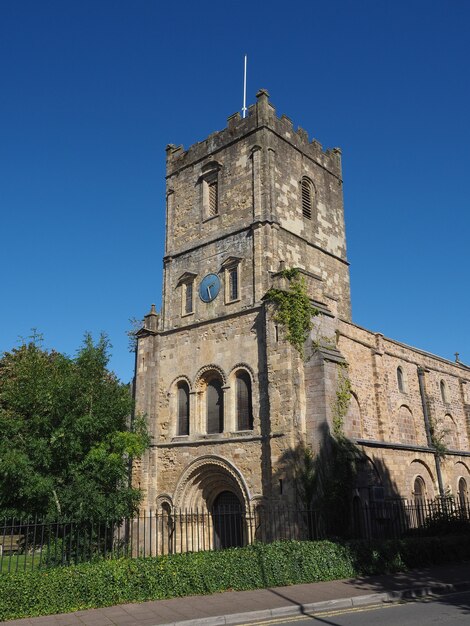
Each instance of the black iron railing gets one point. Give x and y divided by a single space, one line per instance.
30 544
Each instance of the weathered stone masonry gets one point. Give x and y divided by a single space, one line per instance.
249 201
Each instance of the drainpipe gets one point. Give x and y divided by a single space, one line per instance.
427 426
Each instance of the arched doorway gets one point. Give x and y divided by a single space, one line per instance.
213 490
227 521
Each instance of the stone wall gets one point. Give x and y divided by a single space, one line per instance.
395 418
223 346
259 163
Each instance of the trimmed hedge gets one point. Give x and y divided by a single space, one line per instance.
104 583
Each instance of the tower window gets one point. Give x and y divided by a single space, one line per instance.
186 283
213 198
183 409
308 193
209 181
188 298
231 267
233 283
244 405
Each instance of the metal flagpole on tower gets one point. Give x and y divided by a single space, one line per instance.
244 92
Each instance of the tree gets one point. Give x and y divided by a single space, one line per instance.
65 435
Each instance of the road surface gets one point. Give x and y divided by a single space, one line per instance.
448 610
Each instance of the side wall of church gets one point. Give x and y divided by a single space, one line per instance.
383 413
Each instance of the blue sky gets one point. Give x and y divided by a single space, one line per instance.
91 92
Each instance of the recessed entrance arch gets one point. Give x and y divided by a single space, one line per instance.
214 487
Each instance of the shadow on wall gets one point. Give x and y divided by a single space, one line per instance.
349 494
355 497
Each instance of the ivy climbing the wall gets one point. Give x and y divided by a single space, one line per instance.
342 400
294 310
438 437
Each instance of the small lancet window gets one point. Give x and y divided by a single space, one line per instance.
209 181
400 380
183 408
307 190
188 301
231 267
443 388
233 283
186 283
213 198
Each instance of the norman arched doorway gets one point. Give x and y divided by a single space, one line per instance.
213 490
227 521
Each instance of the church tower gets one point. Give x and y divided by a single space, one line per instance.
225 395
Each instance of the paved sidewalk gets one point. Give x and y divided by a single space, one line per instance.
237 607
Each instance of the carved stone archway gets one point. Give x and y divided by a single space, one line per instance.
204 479
213 500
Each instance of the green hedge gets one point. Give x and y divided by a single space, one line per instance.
104 583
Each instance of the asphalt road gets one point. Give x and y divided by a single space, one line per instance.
449 610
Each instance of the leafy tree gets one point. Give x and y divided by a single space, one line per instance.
65 439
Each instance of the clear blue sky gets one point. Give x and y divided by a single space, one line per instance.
92 91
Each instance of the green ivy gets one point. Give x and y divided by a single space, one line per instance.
293 308
342 400
438 436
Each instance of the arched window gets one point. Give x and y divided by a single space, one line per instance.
400 380
443 388
419 495
244 408
352 422
215 406
308 197
463 493
210 189
419 490
403 426
183 408
450 432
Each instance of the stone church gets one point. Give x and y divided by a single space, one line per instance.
225 394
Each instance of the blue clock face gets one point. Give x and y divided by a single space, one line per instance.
209 287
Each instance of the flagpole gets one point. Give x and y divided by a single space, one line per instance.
244 92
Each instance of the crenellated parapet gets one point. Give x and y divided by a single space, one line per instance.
260 115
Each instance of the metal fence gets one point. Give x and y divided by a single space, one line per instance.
30 544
